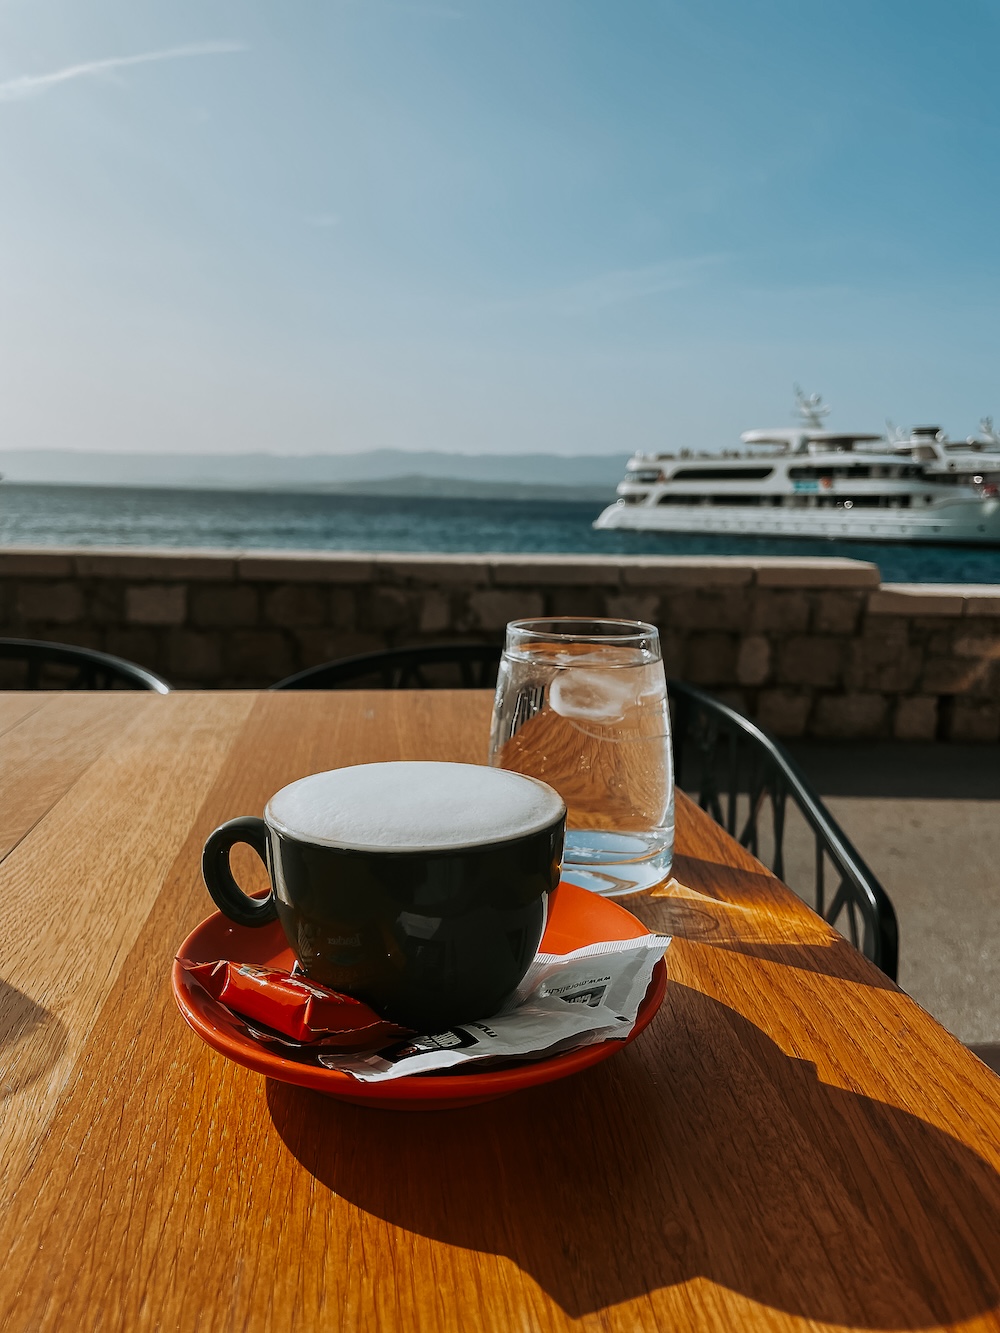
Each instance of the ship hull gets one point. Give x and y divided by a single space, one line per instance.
963 522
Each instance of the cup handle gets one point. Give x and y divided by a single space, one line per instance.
229 897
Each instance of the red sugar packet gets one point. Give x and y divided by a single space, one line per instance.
298 1008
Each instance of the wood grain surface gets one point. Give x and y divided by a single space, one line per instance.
792 1144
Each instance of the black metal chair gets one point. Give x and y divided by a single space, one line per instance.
734 768
31 664
461 666
737 770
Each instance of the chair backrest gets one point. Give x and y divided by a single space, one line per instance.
462 666
31 664
737 771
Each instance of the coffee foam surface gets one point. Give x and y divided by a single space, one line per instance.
413 807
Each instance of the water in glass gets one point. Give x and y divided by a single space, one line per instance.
583 705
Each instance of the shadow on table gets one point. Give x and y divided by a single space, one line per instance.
31 1040
629 1179
696 911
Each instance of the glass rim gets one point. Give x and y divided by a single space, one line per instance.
531 629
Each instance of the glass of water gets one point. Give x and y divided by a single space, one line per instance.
582 704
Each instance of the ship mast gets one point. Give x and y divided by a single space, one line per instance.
811 410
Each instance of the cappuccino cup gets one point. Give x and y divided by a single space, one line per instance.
420 888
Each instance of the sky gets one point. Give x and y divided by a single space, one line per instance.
505 226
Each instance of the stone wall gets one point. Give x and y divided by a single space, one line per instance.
815 647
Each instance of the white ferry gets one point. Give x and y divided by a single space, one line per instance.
813 482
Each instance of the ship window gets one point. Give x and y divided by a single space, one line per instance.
722 474
674 499
842 473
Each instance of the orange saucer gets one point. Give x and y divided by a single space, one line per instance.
576 918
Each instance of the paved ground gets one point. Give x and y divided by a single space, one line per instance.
926 818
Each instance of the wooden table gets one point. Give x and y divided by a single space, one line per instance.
793 1142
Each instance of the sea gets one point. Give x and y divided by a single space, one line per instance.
49 515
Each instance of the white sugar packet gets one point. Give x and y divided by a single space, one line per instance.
565 1001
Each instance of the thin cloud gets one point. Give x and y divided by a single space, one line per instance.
438 11
33 85
633 284
322 220
617 287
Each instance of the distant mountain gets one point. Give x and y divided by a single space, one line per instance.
381 472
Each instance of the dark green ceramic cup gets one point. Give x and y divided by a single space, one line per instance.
420 888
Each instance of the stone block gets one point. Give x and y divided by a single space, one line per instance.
937 644
435 613
917 599
343 608
753 662
672 648
850 716
810 660
814 572
877 664
159 563
194 655
982 599
836 612
471 570
593 571
773 611
916 719
587 602
784 712
644 606
51 603
978 646
293 605
156 604
924 626
25 562
324 644
390 609
679 571
946 675
974 721
887 629
317 646
105 601
707 609
306 567
493 608
136 645
223 605
710 659
257 657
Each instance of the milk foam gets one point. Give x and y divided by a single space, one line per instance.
413 807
